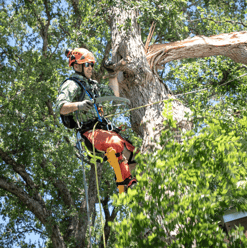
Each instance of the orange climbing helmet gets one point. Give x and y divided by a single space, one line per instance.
79 56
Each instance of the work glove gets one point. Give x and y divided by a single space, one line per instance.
85 105
106 64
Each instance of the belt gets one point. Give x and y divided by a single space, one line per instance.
89 125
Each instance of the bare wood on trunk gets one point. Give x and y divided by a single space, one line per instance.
232 45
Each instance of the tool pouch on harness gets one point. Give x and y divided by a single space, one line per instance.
68 121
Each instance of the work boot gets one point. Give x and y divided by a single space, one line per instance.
131 183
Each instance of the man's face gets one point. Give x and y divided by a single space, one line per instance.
88 71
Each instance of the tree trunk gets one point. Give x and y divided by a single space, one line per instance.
138 83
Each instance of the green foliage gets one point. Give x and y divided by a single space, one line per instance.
197 179
187 187
31 133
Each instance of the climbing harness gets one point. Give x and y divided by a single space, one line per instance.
68 120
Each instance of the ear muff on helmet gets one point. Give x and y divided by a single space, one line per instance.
67 52
74 59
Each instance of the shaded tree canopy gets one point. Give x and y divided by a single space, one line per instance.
197 53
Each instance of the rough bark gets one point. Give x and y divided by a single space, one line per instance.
56 237
138 83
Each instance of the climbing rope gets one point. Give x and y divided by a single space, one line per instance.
93 160
143 106
85 187
97 183
167 98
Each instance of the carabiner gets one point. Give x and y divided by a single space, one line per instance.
108 125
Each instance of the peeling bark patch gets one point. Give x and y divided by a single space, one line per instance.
234 36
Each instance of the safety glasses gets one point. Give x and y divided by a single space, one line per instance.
88 64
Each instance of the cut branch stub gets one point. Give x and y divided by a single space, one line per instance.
122 65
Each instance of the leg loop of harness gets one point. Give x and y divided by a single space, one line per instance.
90 155
128 181
130 161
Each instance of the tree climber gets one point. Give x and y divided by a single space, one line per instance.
73 104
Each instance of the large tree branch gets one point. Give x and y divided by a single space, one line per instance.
18 168
34 206
32 188
75 4
100 73
232 45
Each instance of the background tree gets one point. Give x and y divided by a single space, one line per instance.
41 181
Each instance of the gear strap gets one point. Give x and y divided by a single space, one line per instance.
126 181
